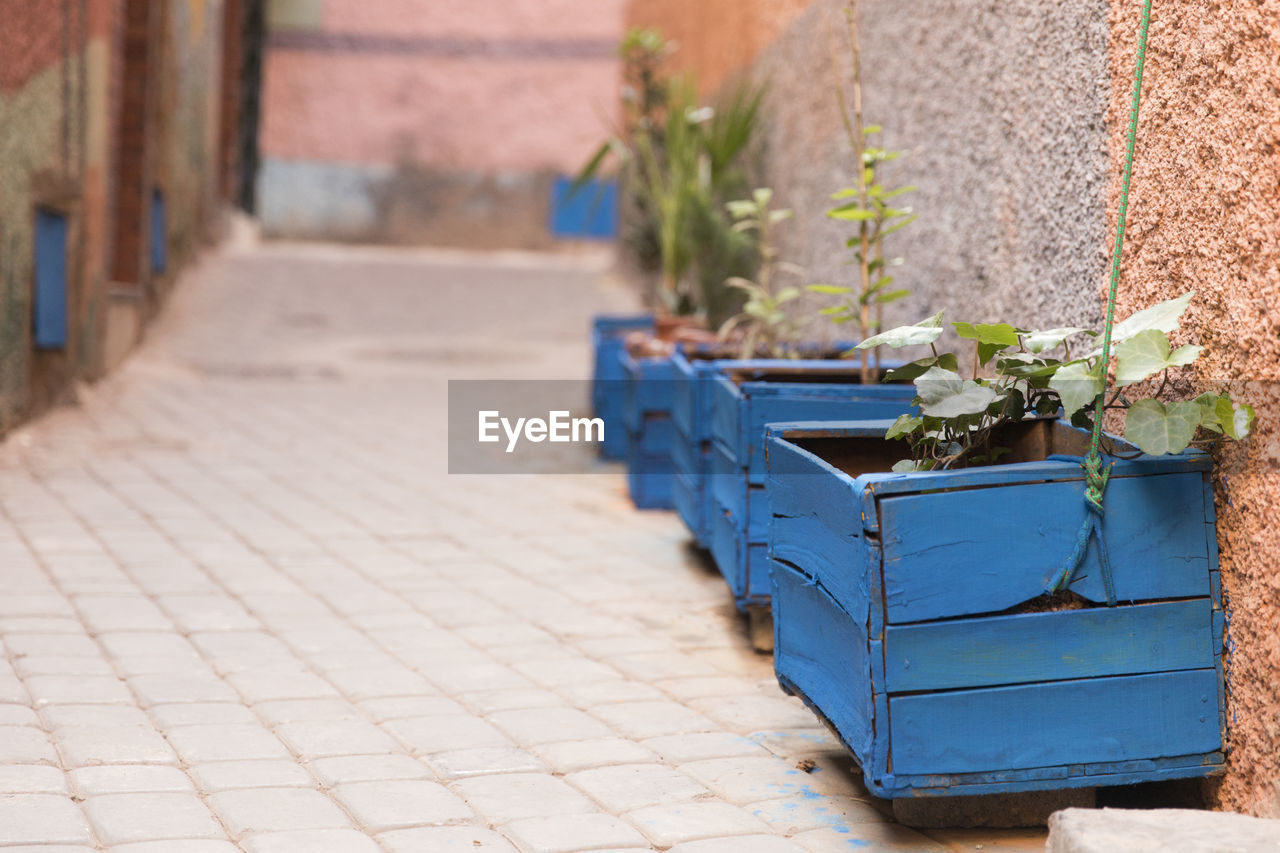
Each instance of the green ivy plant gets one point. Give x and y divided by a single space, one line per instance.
1039 373
764 324
872 208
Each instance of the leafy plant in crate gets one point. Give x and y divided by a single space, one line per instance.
765 326
1037 373
869 204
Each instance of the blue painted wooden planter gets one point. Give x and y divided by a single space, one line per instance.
608 379
691 450
649 397
908 613
745 396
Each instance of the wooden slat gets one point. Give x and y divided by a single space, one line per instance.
985 550
1065 722
1035 647
724 542
822 652
725 412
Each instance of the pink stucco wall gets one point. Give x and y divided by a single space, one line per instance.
478 85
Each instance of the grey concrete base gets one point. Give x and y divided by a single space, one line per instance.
1031 808
1159 830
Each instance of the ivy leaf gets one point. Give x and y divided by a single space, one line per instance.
1050 338
1146 354
904 426
907 466
1077 385
912 369
1156 429
1162 317
925 332
1236 422
988 333
943 394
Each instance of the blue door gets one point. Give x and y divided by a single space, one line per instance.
50 308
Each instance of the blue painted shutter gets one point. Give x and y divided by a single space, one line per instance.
591 212
50 309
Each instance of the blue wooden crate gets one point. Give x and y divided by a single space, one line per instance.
900 610
744 397
608 377
646 415
691 452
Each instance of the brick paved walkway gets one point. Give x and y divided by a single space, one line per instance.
244 608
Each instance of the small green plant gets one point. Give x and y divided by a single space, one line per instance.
869 205
679 162
764 324
958 416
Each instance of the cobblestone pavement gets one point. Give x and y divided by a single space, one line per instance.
243 606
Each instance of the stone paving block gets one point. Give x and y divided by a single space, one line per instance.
176 846
743 844
503 633
489 701
557 672
642 720
63 645
1077 830
267 686
804 812
259 810
379 806
326 738
705 687
678 749
29 665
214 776
25 745
454 679
518 795
792 743
533 726
673 823
428 735
568 756
234 742
632 786
129 779
50 848
401 707
200 714
750 780
82 746
445 839
368 768
106 613
174 687
311 841
305 710
657 666
377 683
870 835
78 689
609 693
570 833
31 779
152 816
459 764
746 714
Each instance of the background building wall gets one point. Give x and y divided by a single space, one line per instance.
1014 116
431 122
61 108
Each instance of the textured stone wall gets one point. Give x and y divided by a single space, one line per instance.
1205 216
1014 114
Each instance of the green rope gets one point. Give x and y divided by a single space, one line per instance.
1095 472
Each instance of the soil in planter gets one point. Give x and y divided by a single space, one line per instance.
1032 440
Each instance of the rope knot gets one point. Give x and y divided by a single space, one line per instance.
1095 479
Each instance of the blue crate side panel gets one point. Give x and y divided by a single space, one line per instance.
820 651
1066 722
647 414
931 539
1031 647
723 544
608 377
50 303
